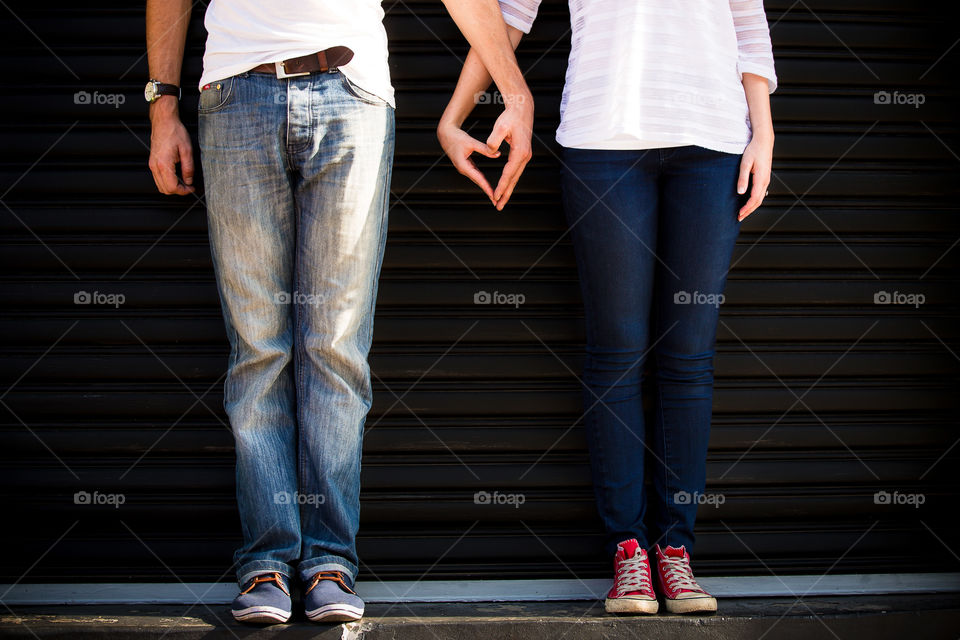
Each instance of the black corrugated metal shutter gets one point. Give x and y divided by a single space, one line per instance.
470 398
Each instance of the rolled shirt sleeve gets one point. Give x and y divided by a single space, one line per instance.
520 13
753 39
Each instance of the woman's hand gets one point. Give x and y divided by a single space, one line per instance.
756 163
459 146
758 156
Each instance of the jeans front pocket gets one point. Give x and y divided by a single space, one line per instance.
361 94
215 95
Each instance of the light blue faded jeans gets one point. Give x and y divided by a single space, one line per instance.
297 175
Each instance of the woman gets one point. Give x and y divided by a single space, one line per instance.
665 123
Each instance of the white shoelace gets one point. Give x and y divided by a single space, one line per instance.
678 574
633 574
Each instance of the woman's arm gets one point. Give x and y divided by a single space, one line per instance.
758 156
459 145
755 64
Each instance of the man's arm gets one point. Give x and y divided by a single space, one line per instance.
167 22
482 24
459 145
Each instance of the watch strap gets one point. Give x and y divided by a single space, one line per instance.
165 89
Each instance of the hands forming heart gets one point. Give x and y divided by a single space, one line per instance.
514 126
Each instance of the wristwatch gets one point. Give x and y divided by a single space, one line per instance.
155 89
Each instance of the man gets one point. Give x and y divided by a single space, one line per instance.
296 130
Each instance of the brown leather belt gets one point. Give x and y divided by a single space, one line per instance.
321 61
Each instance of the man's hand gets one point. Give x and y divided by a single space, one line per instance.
459 146
515 126
167 22
170 146
491 58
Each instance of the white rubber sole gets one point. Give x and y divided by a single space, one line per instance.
336 612
706 604
262 614
631 605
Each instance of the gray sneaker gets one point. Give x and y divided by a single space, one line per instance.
329 599
265 600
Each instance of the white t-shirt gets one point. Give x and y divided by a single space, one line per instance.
645 74
242 34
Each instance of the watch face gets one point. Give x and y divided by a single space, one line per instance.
150 92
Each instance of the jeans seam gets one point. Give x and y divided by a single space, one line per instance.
381 243
297 355
667 506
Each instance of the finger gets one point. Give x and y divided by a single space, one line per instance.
746 164
517 160
166 175
759 192
505 197
154 173
186 163
169 182
505 189
751 205
466 167
508 177
470 170
483 148
497 136
512 171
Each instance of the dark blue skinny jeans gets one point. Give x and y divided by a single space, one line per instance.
653 232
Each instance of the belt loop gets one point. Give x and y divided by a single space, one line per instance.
322 57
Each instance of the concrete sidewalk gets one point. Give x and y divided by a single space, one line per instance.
914 617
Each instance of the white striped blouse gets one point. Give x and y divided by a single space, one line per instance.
645 74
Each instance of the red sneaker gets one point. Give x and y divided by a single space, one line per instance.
632 591
681 593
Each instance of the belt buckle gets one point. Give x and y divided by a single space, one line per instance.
282 73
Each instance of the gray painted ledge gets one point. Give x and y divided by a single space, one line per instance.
215 593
